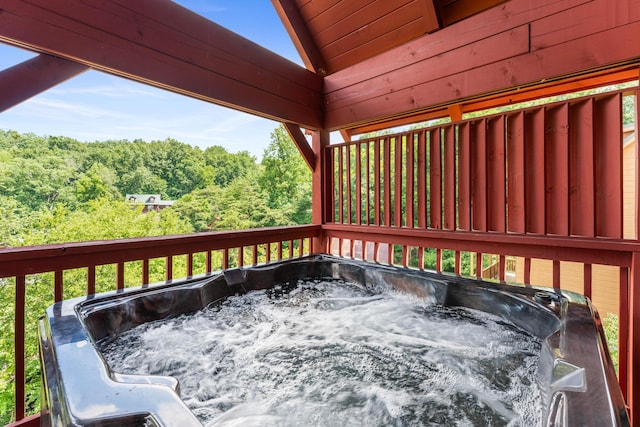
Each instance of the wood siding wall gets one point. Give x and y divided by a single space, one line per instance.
512 45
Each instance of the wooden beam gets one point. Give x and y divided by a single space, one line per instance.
31 77
302 144
510 97
300 35
526 45
160 43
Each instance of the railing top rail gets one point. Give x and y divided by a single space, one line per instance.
24 260
593 250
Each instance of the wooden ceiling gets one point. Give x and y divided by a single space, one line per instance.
332 35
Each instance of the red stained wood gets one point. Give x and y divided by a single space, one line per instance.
457 10
189 262
445 64
168 268
581 180
336 26
40 259
368 182
511 15
478 175
571 57
464 177
449 195
608 165
587 275
409 173
397 184
358 188
148 43
58 286
36 75
348 32
624 333
387 181
301 144
340 189
19 349
535 171
515 172
296 27
557 170
575 249
496 175
30 421
435 179
348 178
633 332
422 175
637 164
91 278
376 182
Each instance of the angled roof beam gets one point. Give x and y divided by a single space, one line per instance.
160 43
36 75
299 33
302 144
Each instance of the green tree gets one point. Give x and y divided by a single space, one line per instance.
228 166
142 181
97 182
286 177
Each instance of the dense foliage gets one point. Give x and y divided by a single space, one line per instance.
56 189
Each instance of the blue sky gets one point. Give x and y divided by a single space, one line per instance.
95 106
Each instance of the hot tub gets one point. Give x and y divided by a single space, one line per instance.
573 373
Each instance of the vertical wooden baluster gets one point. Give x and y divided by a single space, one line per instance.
225 258
608 165
557 170
145 272
496 175
449 175
189 265
387 182
422 175
397 185
19 348
376 183
58 285
120 275
91 280
435 178
464 177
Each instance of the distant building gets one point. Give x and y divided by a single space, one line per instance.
151 202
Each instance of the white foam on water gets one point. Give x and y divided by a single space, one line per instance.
330 353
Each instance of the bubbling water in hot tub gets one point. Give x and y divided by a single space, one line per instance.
328 352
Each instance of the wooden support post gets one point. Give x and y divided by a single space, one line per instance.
633 361
322 187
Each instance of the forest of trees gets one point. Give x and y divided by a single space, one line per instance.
52 189
57 189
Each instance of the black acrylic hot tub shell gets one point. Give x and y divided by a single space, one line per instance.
576 377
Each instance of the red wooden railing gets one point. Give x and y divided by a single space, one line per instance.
544 183
211 251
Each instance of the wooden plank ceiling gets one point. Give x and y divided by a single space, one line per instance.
332 35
